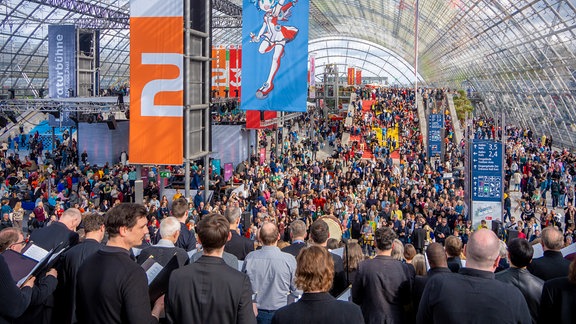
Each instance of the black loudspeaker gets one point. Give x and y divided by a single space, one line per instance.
246 221
111 122
497 228
512 234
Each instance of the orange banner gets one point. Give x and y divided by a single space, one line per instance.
156 82
358 77
351 76
219 71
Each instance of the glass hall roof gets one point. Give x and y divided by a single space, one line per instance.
517 55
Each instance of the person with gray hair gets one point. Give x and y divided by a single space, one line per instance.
297 235
447 298
164 250
238 245
552 264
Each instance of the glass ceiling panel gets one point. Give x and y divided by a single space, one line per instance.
504 49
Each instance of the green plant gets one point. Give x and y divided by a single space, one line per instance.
462 105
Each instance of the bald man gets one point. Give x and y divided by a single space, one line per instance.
271 272
438 265
474 294
552 264
62 231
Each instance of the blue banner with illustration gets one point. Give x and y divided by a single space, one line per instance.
274 55
61 61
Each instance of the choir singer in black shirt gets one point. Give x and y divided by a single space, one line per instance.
111 288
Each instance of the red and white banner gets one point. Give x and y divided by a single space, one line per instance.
235 71
156 82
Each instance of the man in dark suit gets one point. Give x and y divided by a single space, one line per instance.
382 285
71 261
165 249
297 235
238 245
60 234
552 264
438 266
186 239
111 288
195 292
319 234
473 293
62 231
520 254
558 299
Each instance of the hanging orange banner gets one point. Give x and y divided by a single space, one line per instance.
351 76
156 82
358 77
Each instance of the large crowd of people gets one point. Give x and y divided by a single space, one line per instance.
317 216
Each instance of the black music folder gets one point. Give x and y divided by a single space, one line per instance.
158 276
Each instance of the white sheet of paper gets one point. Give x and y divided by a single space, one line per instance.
35 252
569 249
153 271
538 251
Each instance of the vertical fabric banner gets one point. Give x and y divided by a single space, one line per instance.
275 55
219 71
312 70
228 171
234 73
358 77
262 155
156 82
216 165
351 76
61 61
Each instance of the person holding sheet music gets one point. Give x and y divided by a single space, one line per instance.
16 301
111 288
62 231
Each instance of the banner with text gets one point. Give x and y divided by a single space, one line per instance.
61 61
156 82
275 55
487 182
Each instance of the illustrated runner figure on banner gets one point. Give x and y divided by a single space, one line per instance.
274 37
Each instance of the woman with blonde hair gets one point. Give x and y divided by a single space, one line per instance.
18 215
314 275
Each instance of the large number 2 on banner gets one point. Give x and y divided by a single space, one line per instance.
152 88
